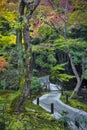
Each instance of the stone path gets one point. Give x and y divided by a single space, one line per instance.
59 107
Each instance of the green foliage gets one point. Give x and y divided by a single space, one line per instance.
85 68
7 26
35 41
51 59
45 63
78 17
3 83
76 47
9 79
65 77
42 47
58 74
78 32
39 61
59 67
77 56
35 85
72 43
44 57
44 30
9 16
5 40
54 36
4 26
85 74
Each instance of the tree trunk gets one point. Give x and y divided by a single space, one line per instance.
15 105
24 68
28 62
79 80
75 91
28 49
76 75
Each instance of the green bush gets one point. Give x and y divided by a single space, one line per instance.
45 30
35 85
9 79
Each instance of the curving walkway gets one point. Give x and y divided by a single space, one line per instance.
73 114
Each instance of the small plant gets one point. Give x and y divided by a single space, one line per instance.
35 85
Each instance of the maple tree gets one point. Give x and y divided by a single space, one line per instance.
79 15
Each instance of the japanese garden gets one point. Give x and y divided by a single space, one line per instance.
43 64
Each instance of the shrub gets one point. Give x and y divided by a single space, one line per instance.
35 85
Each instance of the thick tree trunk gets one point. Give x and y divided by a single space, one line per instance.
28 62
28 49
20 46
24 68
20 57
15 105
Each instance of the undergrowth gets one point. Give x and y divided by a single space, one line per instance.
74 102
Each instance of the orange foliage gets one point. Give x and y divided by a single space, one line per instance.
3 64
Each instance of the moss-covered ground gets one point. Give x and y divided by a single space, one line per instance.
74 102
33 118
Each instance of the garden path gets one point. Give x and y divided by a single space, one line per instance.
73 115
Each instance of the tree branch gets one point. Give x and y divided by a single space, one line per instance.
31 6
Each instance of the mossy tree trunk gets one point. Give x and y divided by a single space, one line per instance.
20 45
24 53
15 105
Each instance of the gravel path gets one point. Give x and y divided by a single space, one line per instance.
72 114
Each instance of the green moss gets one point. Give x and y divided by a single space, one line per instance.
74 102
33 118
14 101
